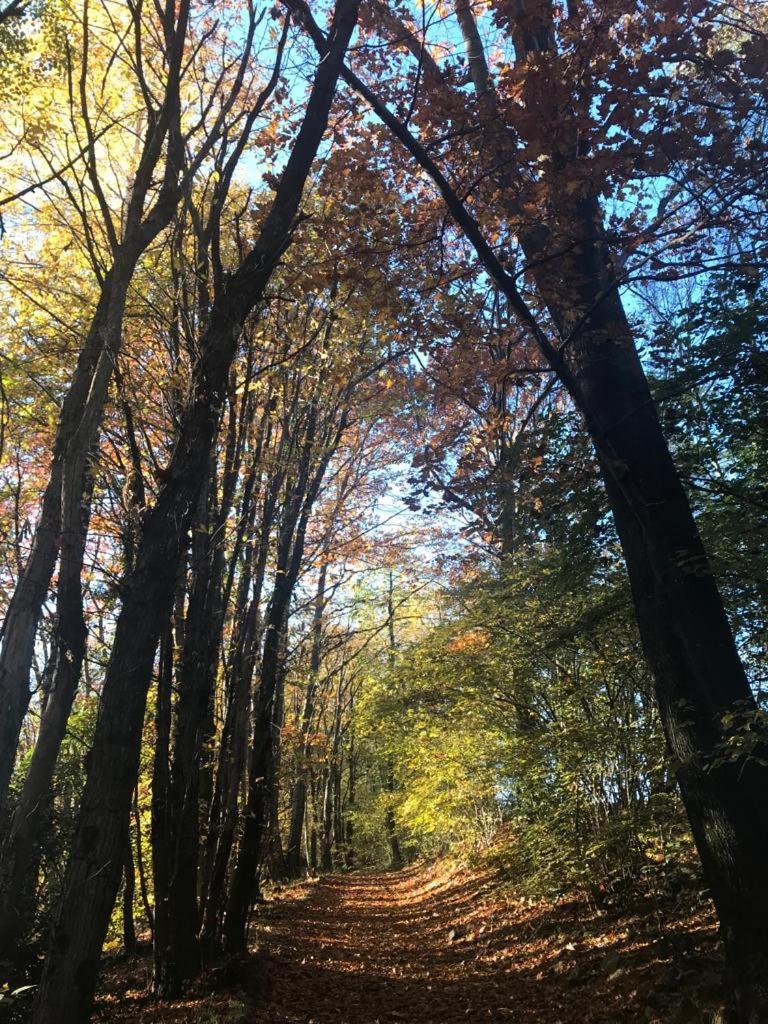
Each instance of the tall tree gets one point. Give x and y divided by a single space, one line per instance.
567 253
93 872
169 156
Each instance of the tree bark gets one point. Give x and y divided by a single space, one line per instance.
130 945
17 878
390 821
196 684
349 831
92 876
261 764
686 635
75 434
233 749
326 843
143 888
276 856
312 844
299 791
165 976
234 742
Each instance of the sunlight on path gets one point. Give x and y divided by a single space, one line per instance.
370 948
439 945
423 945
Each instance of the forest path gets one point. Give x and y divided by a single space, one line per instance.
441 945
426 945
373 948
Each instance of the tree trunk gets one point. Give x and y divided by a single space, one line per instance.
299 791
688 643
143 888
261 767
390 824
338 811
686 635
277 871
165 976
19 848
76 431
233 749
294 866
92 876
261 781
130 944
83 405
350 828
683 625
232 761
196 681
326 845
312 852
233 754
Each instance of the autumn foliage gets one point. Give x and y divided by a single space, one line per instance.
382 480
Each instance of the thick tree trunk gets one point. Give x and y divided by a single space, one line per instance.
92 876
683 625
688 643
686 635
684 628
17 881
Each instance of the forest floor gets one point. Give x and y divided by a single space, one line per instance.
439 945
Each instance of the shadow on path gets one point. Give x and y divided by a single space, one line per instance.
414 946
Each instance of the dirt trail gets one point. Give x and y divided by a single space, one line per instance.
441 946
370 948
415 946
